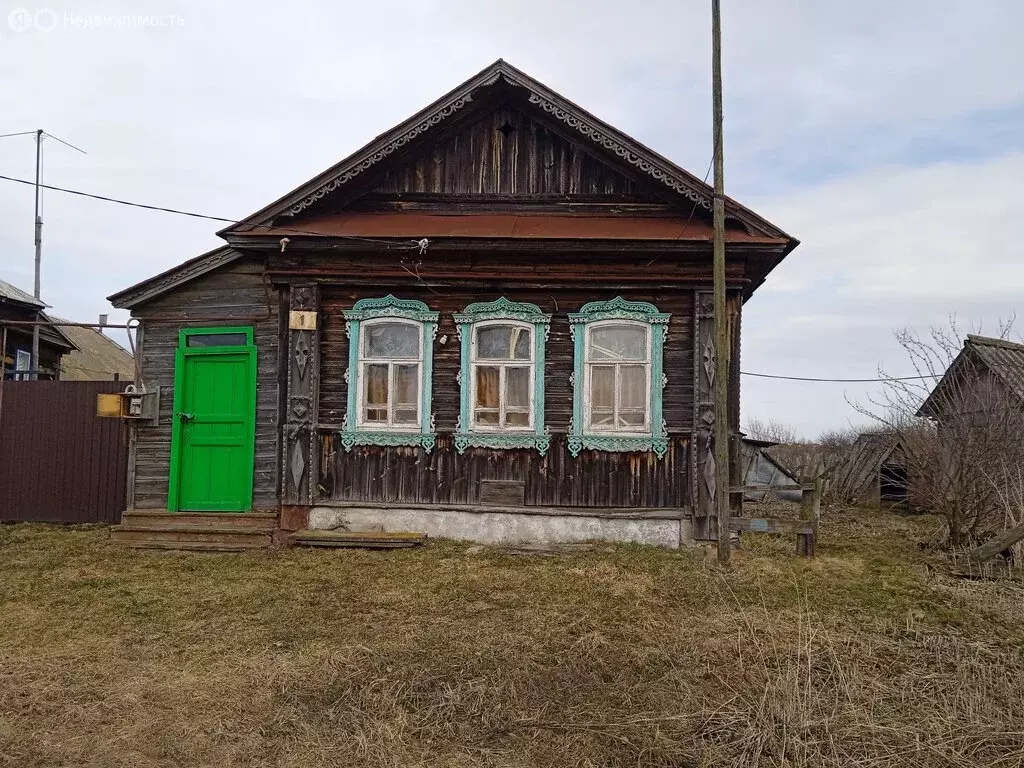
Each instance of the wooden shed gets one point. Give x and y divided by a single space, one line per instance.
875 473
493 322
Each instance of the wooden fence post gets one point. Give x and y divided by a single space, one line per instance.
810 510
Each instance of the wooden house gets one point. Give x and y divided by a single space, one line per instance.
18 310
493 322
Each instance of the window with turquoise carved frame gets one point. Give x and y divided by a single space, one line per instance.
618 377
501 378
390 369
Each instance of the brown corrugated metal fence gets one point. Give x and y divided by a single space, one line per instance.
59 461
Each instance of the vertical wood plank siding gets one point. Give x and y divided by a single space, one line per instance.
234 293
528 159
593 479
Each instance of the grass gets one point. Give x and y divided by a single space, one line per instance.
868 655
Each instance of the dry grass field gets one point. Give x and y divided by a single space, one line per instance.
869 655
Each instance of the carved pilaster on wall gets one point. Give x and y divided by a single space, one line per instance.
702 467
300 471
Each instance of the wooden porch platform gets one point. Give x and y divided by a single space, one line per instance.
196 531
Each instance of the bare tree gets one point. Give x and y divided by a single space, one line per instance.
962 448
771 431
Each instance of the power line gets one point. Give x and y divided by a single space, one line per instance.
193 214
415 244
837 381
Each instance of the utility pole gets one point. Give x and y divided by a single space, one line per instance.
722 346
39 251
38 229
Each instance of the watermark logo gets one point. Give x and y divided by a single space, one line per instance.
47 19
24 20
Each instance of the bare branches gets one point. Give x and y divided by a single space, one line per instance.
961 458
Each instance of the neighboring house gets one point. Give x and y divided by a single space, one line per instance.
875 473
493 322
97 357
19 308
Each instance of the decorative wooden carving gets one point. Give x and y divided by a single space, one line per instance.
702 465
300 457
619 309
365 163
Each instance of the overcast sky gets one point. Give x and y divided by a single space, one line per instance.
887 136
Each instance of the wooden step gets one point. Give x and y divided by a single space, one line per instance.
237 520
200 534
191 546
368 539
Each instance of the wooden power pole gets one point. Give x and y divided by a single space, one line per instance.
722 345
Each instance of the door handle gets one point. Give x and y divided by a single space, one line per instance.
185 417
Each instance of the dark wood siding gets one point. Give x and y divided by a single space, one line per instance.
234 295
594 479
526 158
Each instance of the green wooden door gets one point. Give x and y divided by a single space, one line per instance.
213 433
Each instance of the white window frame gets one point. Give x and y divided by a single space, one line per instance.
391 362
502 365
645 428
22 364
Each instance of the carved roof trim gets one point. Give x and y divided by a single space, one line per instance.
606 138
172 278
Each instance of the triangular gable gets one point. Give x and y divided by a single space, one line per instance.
507 152
1004 359
602 140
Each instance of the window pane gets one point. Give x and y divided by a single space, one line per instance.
486 386
521 344
405 416
391 340
407 385
489 418
632 387
618 342
602 386
376 384
376 414
493 342
216 340
631 418
517 387
517 419
601 417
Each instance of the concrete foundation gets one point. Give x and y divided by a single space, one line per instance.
504 526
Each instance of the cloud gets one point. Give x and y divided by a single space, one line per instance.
887 249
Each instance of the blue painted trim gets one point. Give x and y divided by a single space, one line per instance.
407 309
502 309
656 439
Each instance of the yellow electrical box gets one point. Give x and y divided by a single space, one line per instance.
135 403
109 405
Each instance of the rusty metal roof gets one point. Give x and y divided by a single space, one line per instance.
575 227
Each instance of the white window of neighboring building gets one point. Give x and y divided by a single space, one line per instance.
22 362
